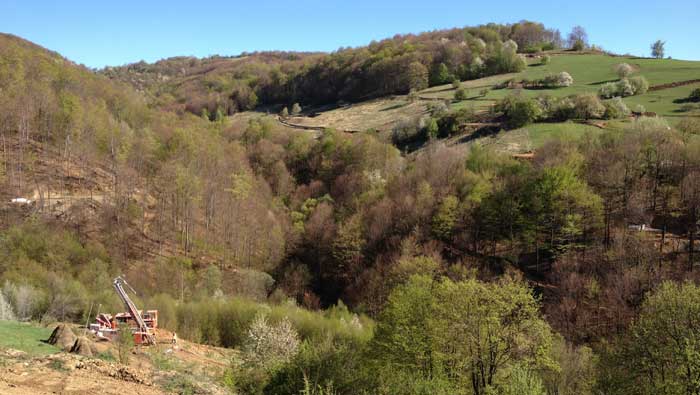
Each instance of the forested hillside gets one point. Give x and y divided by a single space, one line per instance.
338 263
391 66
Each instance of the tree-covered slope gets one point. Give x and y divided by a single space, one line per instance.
390 66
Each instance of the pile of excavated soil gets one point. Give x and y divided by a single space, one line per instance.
62 337
63 373
84 346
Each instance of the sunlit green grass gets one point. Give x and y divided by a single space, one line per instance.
589 71
25 337
662 102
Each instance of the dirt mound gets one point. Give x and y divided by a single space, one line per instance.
84 346
62 337
119 372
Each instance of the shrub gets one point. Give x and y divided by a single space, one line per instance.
521 380
450 123
519 110
639 84
562 79
461 94
694 95
432 128
545 59
456 83
579 45
624 88
532 49
125 343
548 104
296 109
6 313
615 109
623 70
270 345
563 110
405 130
558 80
689 126
437 109
650 125
588 106
484 92
511 45
25 300
331 364
608 90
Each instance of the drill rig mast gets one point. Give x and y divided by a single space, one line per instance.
142 329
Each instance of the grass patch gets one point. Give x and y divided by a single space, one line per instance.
181 384
662 102
540 133
25 337
590 72
58 364
106 356
162 361
532 137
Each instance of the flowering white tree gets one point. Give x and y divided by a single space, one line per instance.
6 313
558 80
564 79
510 44
608 90
23 298
623 70
268 345
624 88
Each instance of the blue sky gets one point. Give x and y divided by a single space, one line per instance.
97 34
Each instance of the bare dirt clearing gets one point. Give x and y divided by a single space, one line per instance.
152 370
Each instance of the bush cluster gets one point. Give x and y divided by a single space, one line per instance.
557 80
637 85
520 110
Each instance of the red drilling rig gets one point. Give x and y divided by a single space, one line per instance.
143 324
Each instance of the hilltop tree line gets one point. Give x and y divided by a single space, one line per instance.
391 66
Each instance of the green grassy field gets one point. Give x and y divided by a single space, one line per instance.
589 71
25 337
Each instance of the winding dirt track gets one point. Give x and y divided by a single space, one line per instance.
673 85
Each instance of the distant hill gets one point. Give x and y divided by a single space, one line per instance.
391 66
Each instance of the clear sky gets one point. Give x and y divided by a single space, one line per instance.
96 33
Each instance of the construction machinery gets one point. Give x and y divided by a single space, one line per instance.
142 324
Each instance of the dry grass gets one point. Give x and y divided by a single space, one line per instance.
379 114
